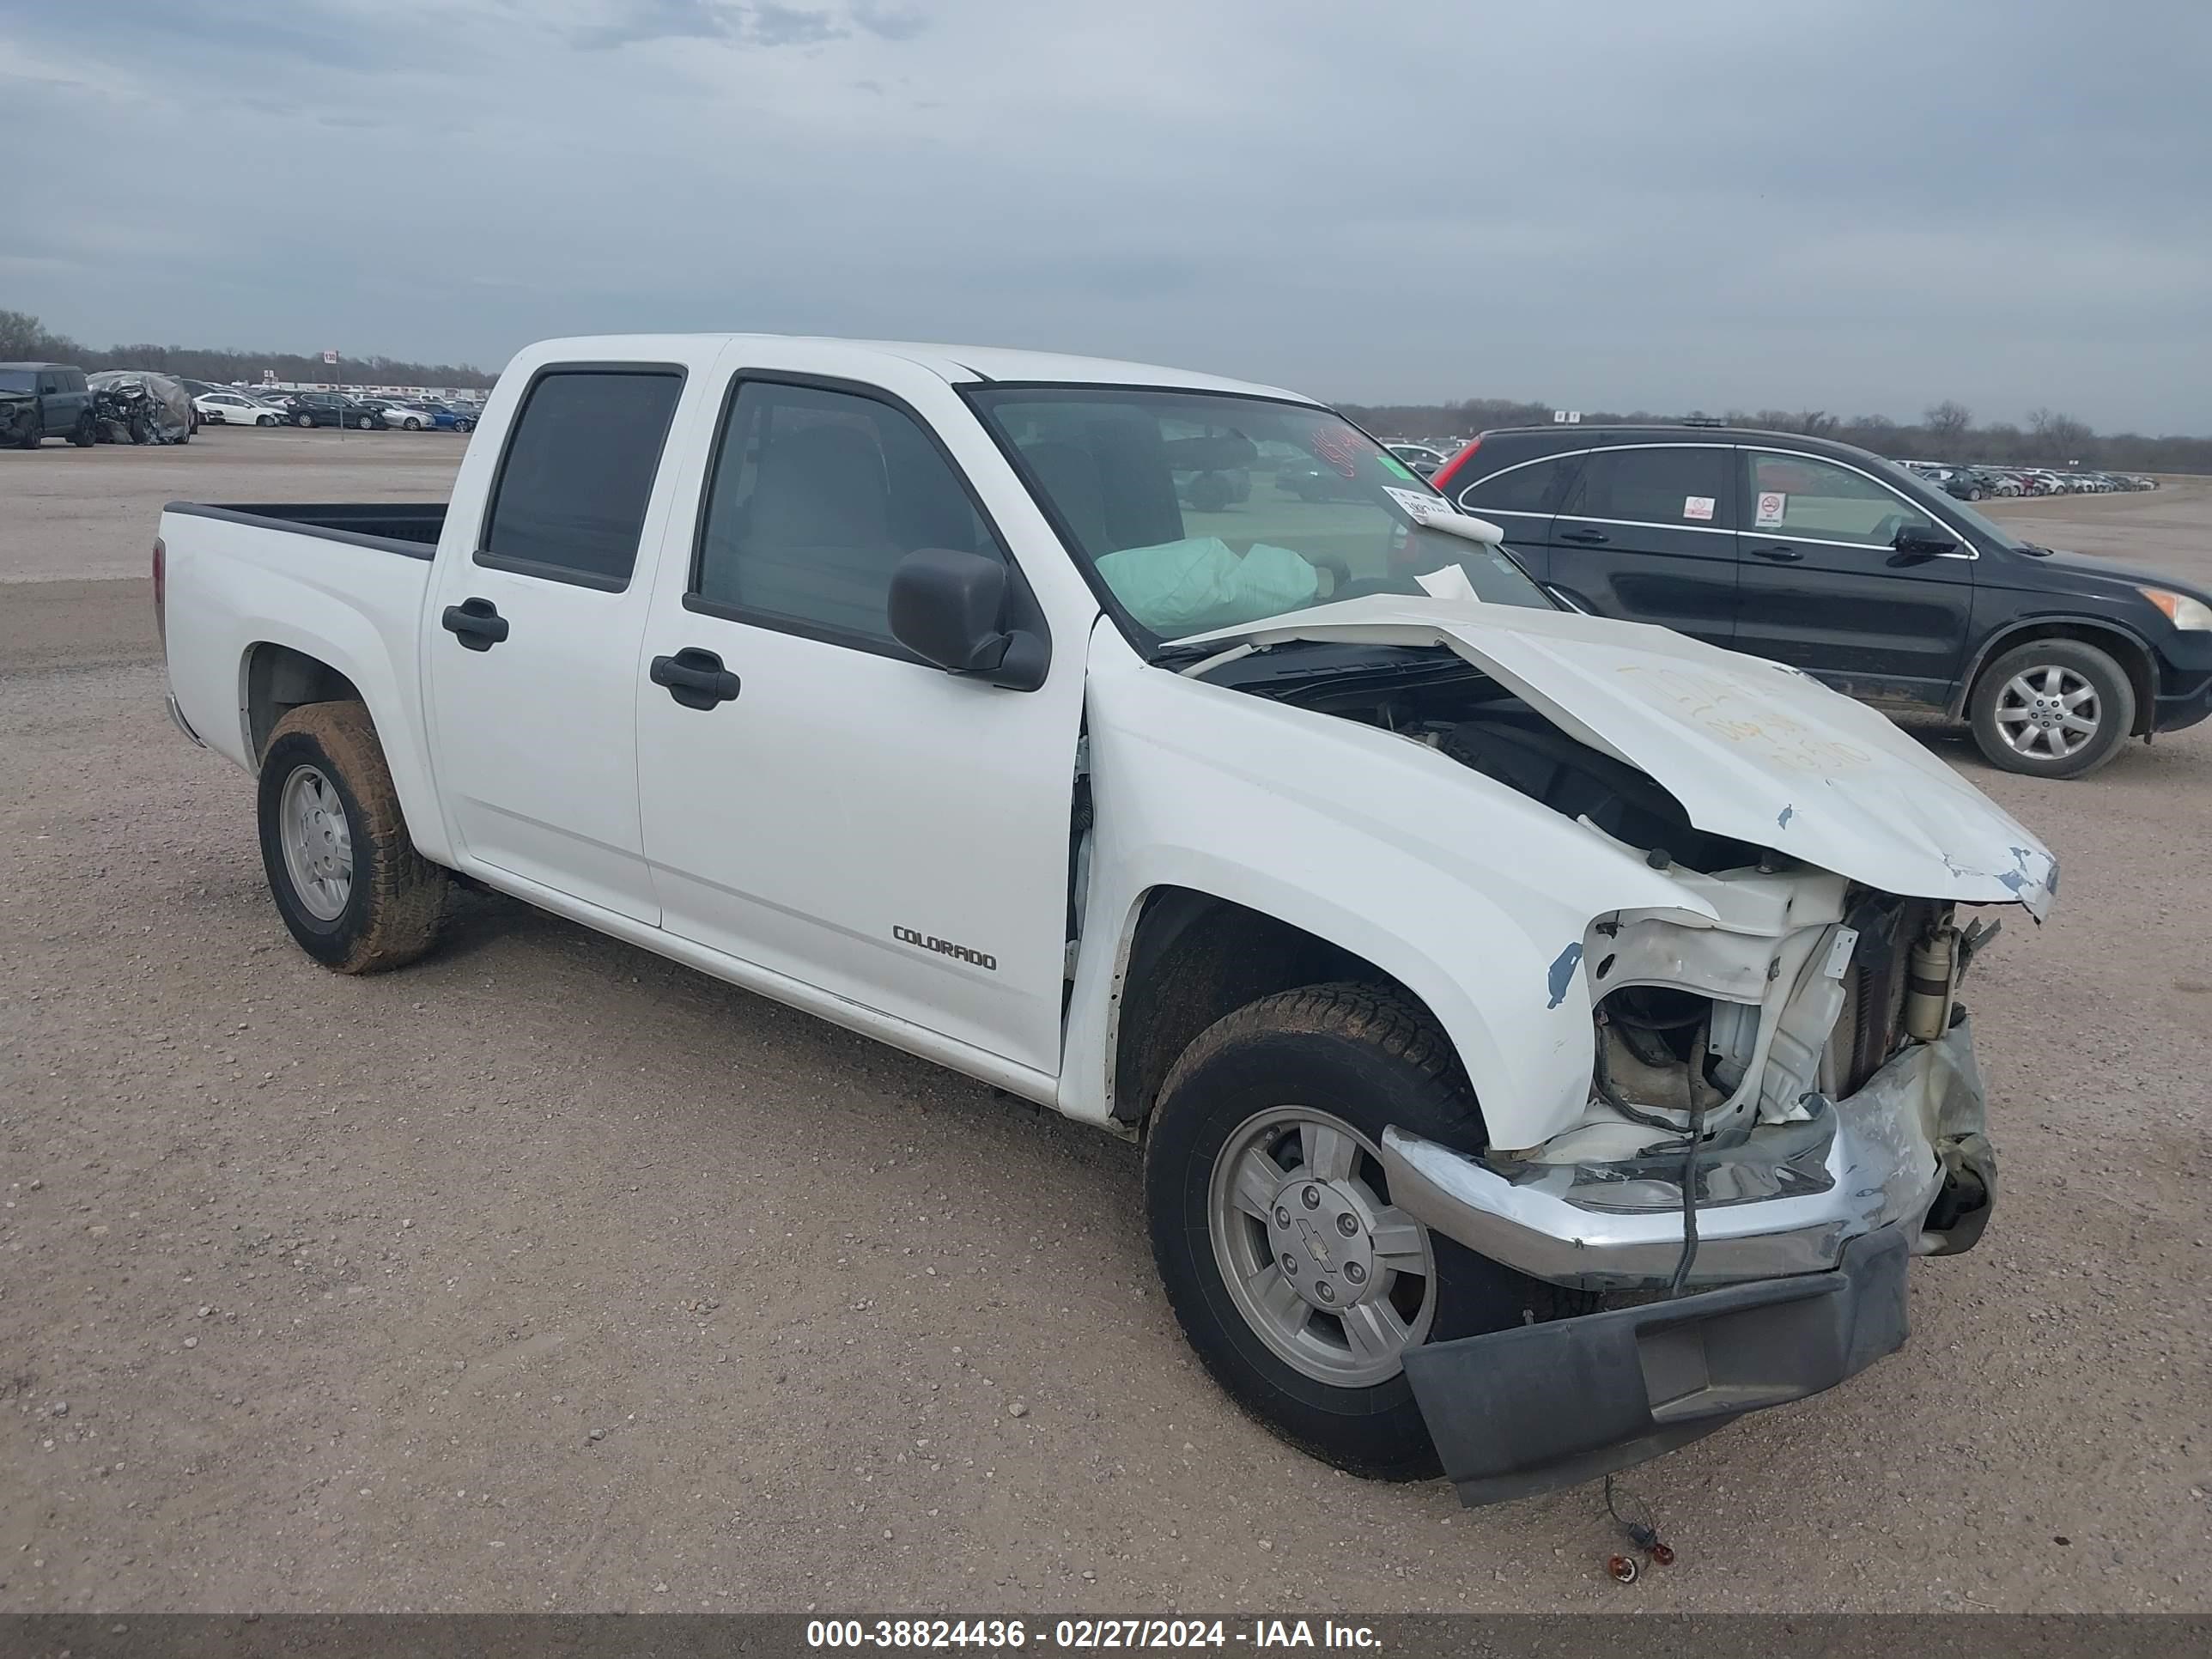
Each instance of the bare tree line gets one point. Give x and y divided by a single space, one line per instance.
1945 432
24 339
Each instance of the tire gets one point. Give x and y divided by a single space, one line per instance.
411 424
2012 716
33 438
363 423
303 420
264 419
84 434
1974 495
394 899
1378 1060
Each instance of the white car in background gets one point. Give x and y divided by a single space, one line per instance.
235 409
1422 457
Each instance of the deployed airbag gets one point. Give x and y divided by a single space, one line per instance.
1179 587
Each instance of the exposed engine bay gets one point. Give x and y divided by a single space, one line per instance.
1804 987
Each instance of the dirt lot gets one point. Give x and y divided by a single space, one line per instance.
547 1275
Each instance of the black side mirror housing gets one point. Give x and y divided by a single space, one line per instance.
1914 545
949 608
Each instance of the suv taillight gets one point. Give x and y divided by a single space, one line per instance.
1442 481
161 592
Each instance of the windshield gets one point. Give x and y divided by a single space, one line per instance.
1199 511
18 380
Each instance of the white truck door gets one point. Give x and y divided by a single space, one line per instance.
817 801
532 635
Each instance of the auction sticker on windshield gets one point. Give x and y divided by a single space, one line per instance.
1418 505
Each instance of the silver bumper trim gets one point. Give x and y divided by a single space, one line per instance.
1585 1226
177 719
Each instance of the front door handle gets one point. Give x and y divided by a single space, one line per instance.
695 678
475 624
1587 537
1779 555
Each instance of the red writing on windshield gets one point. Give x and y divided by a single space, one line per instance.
1340 448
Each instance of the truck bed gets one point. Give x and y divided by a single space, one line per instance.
411 529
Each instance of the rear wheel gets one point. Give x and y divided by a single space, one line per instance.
346 879
2052 708
1296 1280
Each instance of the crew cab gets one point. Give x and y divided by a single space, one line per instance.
1859 570
1541 1029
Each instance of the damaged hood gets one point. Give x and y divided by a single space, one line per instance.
1752 749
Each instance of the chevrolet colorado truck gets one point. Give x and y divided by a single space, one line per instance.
1541 1030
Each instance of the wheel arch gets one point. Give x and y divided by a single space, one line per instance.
2122 644
1192 957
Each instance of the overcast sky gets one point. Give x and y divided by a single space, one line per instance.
1859 205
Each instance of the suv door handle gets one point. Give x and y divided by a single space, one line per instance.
1779 555
1587 537
696 679
475 624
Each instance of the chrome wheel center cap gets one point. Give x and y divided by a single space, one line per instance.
1323 1241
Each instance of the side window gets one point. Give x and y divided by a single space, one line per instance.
814 498
1670 485
50 383
1798 496
1535 487
572 490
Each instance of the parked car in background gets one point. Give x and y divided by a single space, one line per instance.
1855 570
222 408
46 400
331 409
410 414
1421 458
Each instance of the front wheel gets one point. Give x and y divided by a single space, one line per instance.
303 419
1296 1280
352 890
410 424
363 423
2052 708
264 419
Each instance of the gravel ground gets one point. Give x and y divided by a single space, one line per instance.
550 1275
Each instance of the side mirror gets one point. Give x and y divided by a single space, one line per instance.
1914 543
949 608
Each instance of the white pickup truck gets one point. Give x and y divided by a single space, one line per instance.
1541 1029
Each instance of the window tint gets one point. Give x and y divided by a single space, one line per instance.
1677 485
814 499
1531 489
578 469
1797 495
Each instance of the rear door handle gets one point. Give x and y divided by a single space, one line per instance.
695 678
1779 555
1587 537
475 624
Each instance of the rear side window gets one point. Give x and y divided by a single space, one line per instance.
573 487
816 496
1535 487
1677 485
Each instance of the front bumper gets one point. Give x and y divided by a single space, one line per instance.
1525 1410
1805 1232
1785 1201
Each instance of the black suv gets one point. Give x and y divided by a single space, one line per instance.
39 401
333 408
1830 559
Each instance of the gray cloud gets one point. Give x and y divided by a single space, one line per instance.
1710 203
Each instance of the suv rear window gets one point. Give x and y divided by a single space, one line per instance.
1533 487
571 496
